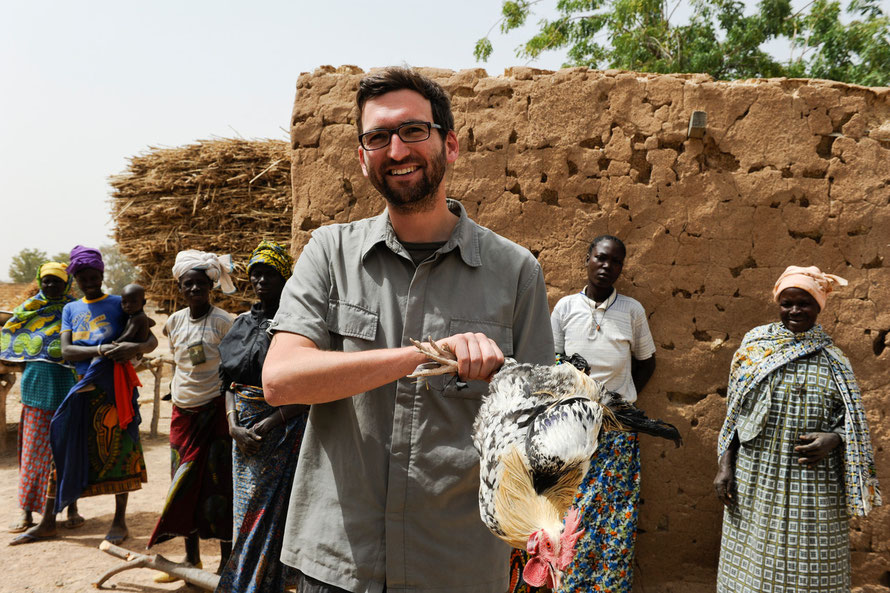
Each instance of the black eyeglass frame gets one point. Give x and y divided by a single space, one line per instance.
391 131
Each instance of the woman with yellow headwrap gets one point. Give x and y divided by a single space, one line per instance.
266 439
795 458
31 337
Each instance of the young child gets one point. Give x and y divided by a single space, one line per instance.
139 324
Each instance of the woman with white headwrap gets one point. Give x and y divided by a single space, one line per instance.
199 502
795 458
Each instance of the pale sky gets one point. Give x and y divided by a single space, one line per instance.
88 84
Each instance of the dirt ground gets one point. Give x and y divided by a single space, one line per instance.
73 562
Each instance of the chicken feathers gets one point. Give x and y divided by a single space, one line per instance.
535 433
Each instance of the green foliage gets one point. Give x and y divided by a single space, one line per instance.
25 263
118 270
718 39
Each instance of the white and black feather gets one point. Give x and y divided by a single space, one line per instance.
550 414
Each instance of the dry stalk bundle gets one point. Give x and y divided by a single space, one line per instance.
221 195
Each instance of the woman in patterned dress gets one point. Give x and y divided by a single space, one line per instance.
31 338
611 332
266 439
94 433
795 458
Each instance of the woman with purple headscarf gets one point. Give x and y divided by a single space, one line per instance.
95 431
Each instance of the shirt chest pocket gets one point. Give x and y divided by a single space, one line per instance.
501 334
349 323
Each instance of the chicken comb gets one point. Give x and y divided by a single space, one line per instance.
569 537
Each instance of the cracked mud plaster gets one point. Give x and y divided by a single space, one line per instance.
788 172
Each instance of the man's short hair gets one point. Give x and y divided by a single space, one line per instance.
397 78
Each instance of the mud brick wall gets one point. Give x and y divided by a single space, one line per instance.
788 172
13 293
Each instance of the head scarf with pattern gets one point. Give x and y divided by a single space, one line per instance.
85 257
810 279
217 267
272 254
32 333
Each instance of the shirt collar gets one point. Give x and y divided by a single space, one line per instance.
606 303
91 301
465 236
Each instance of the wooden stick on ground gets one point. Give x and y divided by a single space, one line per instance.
189 574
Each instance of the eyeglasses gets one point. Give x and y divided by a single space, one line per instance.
415 131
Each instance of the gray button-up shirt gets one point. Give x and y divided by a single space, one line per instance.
386 487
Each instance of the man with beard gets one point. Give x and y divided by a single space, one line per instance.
386 486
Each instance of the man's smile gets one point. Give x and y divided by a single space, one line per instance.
403 170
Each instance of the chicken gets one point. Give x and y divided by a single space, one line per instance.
535 433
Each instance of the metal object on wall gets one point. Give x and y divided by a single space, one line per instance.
698 122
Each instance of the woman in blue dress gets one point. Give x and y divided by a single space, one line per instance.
95 431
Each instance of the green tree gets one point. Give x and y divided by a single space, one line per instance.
25 263
118 270
718 39
63 257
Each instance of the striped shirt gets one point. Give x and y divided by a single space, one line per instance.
606 335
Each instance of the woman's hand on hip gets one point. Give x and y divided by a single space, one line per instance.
815 446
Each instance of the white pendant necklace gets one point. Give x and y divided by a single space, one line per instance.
597 324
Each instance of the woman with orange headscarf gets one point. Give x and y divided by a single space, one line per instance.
795 458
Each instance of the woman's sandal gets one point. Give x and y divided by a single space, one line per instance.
28 538
21 524
73 522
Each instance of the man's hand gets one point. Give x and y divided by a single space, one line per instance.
478 356
816 446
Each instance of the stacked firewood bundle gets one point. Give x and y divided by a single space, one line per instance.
221 195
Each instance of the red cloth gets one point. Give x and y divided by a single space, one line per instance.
125 381
199 500
35 458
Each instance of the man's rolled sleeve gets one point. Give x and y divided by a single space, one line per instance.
304 301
